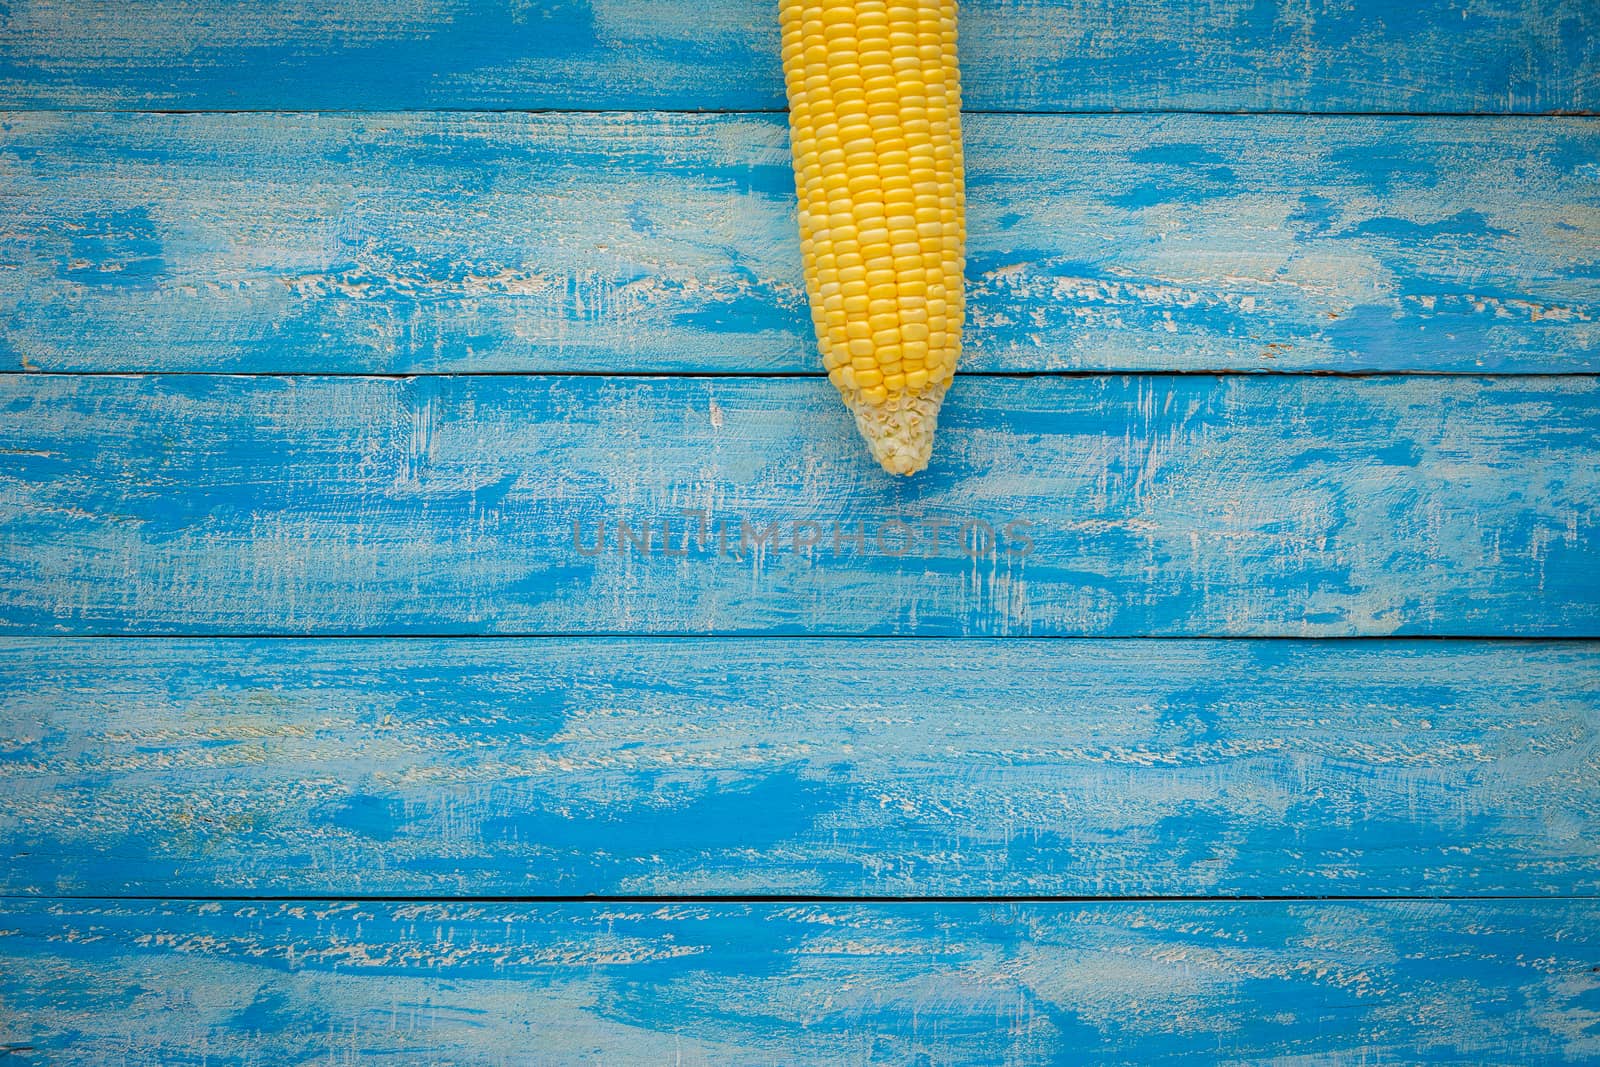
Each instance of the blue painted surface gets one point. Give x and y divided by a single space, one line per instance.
489 983
428 243
1126 506
1017 55
840 767
386 239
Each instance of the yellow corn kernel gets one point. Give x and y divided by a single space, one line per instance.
874 103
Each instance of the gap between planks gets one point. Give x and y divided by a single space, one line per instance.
685 635
1062 112
795 898
1078 372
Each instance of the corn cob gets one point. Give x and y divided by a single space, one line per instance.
875 123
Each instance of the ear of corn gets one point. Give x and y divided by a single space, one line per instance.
874 108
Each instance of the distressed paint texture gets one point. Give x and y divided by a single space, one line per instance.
1020 55
1157 505
838 767
390 238
148 982
641 243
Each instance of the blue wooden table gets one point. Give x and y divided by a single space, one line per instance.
446 616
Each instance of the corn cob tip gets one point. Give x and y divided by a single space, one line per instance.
900 430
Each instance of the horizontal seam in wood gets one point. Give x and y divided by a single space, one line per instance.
679 635
1061 112
803 375
798 898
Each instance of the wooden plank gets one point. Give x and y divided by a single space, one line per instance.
646 243
1024 55
1175 506
1126 983
834 767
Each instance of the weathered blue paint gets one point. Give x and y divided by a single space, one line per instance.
90 982
838 767
1152 505
644 243
369 241
1025 55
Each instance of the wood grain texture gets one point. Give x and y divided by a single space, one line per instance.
1021 55
833 767
1503 982
641 243
1152 505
